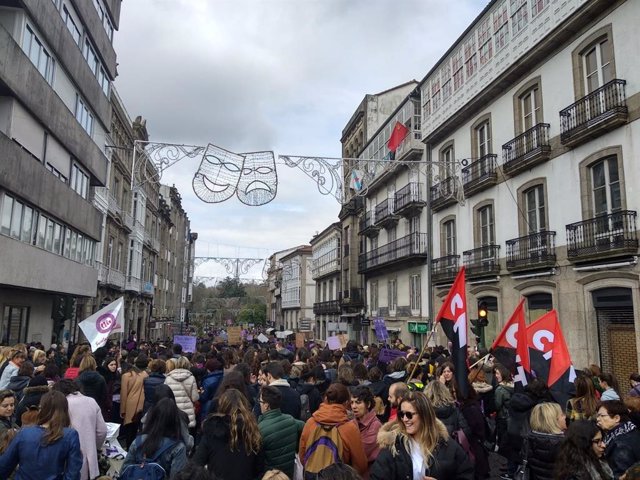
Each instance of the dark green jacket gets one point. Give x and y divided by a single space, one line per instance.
280 435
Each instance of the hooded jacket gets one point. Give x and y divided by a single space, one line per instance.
150 383
31 397
280 433
369 426
311 391
93 385
290 398
184 388
542 451
449 461
18 384
210 384
336 415
453 419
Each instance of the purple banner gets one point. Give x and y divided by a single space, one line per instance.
380 328
388 355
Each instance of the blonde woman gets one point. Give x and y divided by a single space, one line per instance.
445 407
231 445
417 445
39 357
184 387
548 424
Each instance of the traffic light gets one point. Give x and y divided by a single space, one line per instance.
483 312
476 329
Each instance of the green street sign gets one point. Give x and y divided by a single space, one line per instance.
418 327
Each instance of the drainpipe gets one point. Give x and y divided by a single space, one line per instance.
426 156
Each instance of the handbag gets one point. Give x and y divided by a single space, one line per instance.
522 472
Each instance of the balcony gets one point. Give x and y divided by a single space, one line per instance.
110 277
482 262
113 207
127 220
412 246
444 193
480 174
385 216
367 224
537 250
445 269
527 150
409 199
353 297
600 111
604 236
147 289
326 264
409 147
133 284
151 242
332 307
352 207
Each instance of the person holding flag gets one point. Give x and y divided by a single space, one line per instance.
103 323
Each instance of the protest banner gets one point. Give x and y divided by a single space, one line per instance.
234 335
333 342
300 340
187 341
380 328
388 355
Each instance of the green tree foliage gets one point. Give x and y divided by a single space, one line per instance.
255 313
231 288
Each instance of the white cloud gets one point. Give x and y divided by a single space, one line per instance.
282 75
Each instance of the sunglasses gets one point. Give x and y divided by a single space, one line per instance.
409 415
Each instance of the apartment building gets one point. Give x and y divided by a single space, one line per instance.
370 114
297 288
56 71
325 272
274 281
533 113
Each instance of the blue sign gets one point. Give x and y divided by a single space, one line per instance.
188 342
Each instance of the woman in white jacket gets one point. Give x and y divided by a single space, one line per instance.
184 387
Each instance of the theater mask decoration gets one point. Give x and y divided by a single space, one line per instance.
258 183
218 175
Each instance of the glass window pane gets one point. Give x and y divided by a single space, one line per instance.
598 175
7 206
57 239
613 170
42 227
48 244
16 218
616 198
74 241
600 200
79 248
67 242
27 224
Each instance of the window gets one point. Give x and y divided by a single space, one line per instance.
485 220
83 115
373 294
414 294
392 233
119 256
537 6
15 322
470 57
56 173
435 95
16 218
605 186
530 108
593 62
109 252
484 40
104 17
392 295
38 54
26 234
445 77
538 304
501 28
519 16
449 236
447 158
598 65
7 206
79 181
71 25
482 139
535 209
457 65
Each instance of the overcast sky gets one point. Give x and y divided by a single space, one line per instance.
281 75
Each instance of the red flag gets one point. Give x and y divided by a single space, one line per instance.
453 318
511 345
560 358
398 134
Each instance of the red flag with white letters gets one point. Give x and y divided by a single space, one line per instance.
510 347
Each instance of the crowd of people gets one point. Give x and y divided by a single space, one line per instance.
272 411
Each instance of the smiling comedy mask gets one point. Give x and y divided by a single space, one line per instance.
259 181
218 175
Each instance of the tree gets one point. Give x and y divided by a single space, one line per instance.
231 288
255 313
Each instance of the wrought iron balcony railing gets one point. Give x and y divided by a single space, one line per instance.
368 224
444 193
536 250
599 111
331 307
409 199
385 214
603 236
353 297
445 269
482 261
480 174
527 150
413 245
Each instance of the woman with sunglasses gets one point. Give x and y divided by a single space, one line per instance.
581 454
417 446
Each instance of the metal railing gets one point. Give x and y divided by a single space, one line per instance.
536 249
353 296
597 106
481 169
447 188
414 244
482 261
604 234
110 276
327 308
367 220
409 194
445 269
384 209
531 142
112 205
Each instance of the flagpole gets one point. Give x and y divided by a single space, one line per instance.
483 359
424 347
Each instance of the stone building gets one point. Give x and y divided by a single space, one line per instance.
298 288
325 272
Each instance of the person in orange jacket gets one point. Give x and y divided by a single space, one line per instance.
334 411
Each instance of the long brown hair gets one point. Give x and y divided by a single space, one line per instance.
54 412
242 421
429 434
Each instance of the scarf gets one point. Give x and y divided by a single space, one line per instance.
621 429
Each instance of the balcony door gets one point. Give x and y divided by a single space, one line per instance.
487 235
536 221
607 201
598 71
531 116
414 231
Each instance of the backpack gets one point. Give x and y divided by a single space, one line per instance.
323 448
146 468
305 409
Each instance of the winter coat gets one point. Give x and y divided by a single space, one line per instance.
93 385
622 447
60 460
214 451
453 419
290 398
280 434
210 383
518 422
311 391
131 395
369 426
18 384
472 413
30 398
86 419
502 399
334 414
449 461
184 388
542 451
150 383
9 371
173 459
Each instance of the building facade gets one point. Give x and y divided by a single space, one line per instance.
325 261
538 103
55 81
297 289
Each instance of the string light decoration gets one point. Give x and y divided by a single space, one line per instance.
258 183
